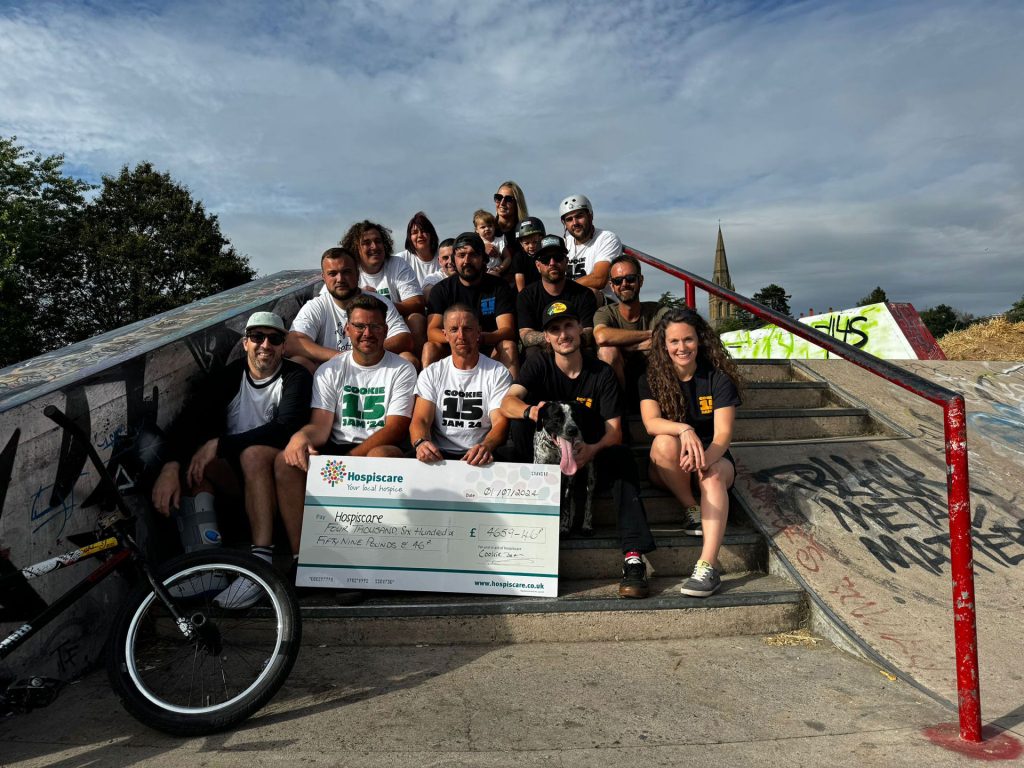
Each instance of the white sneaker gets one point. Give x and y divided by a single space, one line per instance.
200 585
241 594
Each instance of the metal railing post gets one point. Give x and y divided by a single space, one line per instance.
691 295
961 559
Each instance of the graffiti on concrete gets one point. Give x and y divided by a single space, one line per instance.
872 328
899 515
120 389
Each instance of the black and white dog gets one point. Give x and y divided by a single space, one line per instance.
557 435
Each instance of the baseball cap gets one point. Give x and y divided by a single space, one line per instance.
558 310
551 243
266 320
472 239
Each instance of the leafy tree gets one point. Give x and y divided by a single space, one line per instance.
943 319
148 247
40 216
734 323
774 297
671 301
1016 313
877 296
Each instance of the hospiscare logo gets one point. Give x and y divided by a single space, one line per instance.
334 473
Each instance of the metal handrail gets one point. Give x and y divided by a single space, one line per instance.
957 478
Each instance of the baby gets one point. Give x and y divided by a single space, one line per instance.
498 258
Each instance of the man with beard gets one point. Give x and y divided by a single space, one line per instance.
623 331
318 331
489 296
457 414
566 375
226 439
553 286
362 405
591 250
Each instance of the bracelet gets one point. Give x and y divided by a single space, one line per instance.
688 429
418 443
526 413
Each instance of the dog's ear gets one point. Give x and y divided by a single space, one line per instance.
544 414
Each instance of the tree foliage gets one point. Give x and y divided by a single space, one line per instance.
40 218
877 296
1015 314
671 301
942 319
150 248
774 297
70 269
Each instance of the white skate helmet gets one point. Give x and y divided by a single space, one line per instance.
574 203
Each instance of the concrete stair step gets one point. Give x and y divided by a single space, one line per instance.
786 394
768 370
677 553
748 603
783 424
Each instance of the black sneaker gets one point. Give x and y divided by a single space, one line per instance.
634 580
691 521
704 582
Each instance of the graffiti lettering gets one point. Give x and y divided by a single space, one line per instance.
889 504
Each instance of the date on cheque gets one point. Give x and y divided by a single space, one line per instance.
510 493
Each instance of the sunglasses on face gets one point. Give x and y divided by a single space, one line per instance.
630 279
257 338
500 198
547 258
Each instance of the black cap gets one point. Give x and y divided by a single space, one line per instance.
551 243
558 310
531 225
472 239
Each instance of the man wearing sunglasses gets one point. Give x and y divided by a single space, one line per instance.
553 286
623 331
225 441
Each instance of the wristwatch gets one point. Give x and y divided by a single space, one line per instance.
418 443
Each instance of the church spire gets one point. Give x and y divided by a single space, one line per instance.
719 310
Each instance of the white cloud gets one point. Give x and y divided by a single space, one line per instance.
843 146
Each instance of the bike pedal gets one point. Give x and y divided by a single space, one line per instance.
32 692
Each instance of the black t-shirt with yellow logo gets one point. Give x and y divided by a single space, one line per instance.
708 390
595 388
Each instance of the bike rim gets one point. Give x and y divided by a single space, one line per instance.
142 612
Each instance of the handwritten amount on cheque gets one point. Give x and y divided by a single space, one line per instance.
426 537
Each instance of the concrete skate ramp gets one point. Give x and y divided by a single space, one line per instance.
863 522
122 388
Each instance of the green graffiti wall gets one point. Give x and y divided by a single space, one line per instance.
871 328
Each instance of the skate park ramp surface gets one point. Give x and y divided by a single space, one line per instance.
863 523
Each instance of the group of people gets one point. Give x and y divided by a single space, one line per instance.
448 350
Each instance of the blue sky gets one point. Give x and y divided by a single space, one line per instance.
842 145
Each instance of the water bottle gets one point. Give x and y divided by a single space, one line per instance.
197 522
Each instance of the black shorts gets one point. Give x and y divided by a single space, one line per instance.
331 448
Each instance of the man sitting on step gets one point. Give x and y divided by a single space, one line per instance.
566 375
226 439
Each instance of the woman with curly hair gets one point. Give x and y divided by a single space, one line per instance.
688 401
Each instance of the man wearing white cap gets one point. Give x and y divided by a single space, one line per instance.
226 438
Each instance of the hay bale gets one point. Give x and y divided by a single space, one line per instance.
996 339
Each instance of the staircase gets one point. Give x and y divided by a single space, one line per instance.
783 403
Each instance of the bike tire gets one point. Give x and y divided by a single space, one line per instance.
222 674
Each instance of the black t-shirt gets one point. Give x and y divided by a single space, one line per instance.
525 265
490 297
708 390
533 300
595 388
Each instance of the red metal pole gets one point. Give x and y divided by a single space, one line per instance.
962 566
691 295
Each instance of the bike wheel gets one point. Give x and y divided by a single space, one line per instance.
231 663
